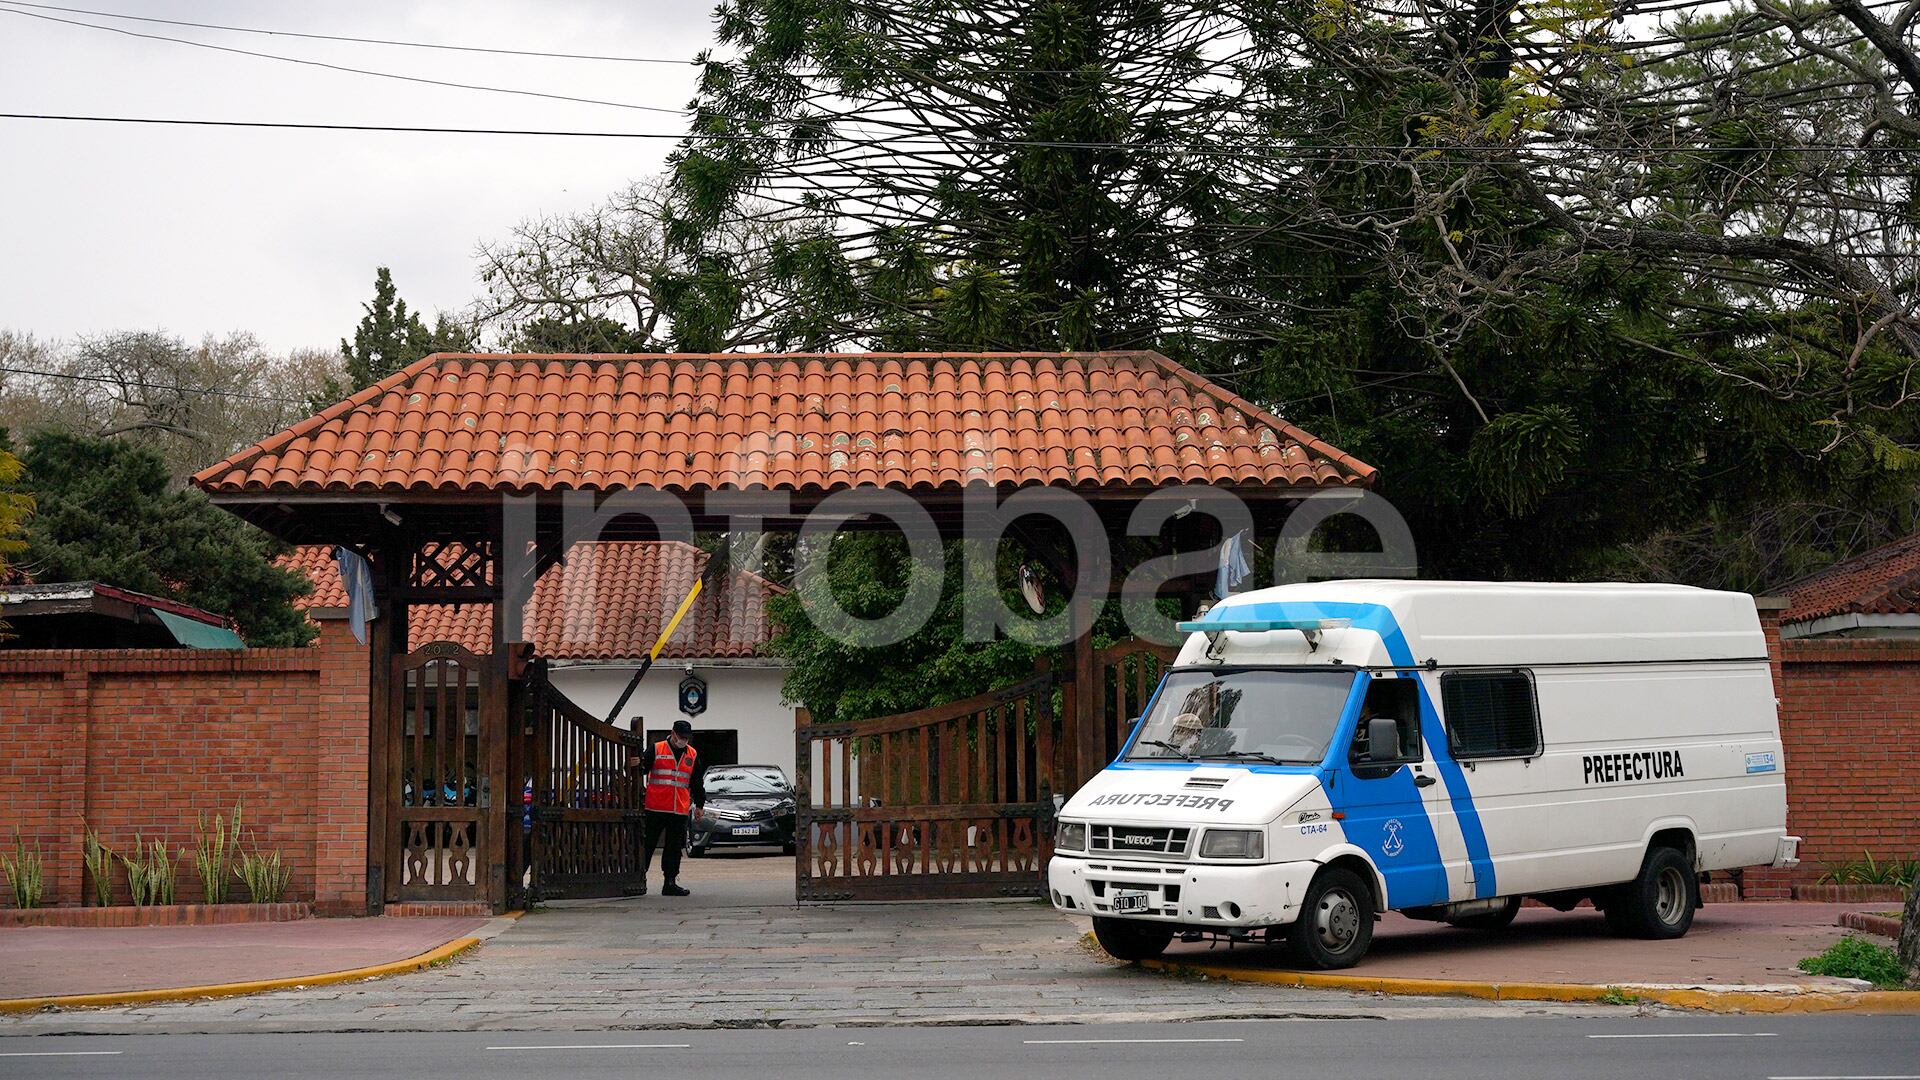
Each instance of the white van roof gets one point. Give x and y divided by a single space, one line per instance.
1490 623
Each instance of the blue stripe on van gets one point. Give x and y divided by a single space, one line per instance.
1379 620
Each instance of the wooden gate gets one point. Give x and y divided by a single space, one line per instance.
440 775
1127 673
583 810
950 801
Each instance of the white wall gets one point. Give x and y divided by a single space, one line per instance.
746 700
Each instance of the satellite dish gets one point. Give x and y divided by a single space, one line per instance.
1031 589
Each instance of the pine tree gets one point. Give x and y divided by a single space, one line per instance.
106 512
390 336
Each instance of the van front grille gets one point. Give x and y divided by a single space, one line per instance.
1139 841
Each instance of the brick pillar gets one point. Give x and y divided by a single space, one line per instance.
1761 882
1770 608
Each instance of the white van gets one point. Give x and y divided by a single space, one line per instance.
1321 753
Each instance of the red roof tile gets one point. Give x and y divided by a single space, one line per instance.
1884 581
607 602
812 422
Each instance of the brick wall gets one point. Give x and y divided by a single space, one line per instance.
1850 721
137 741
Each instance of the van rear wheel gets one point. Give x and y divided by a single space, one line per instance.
1131 939
1335 925
1659 904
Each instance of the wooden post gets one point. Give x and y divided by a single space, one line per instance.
386 639
495 728
1084 717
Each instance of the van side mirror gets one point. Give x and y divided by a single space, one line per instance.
1383 739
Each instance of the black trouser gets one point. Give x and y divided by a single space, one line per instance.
672 829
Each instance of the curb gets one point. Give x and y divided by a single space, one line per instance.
1868 922
1900 1002
120 916
235 989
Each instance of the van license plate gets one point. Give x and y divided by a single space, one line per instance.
1129 901
746 830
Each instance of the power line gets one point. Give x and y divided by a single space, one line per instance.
1533 46
681 62
421 79
125 384
1362 152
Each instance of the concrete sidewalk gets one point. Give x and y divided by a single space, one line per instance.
1745 944
741 953
46 961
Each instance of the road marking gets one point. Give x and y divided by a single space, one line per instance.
1695 1035
602 1046
1079 1042
59 1053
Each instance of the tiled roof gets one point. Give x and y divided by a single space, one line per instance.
1884 581
817 422
607 602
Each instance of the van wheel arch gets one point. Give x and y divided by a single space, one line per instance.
1376 884
1678 835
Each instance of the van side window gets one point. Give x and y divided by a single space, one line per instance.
1490 714
1389 699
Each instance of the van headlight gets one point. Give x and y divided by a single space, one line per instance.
1232 844
1071 837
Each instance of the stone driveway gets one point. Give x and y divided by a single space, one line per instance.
741 953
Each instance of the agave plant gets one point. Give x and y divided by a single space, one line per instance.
99 860
151 873
26 873
265 876
214 848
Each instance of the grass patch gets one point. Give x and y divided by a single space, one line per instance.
1617 996
1857 958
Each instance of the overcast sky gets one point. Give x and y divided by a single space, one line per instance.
196 230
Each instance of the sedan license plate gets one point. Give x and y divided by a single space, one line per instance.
1129 901
746 830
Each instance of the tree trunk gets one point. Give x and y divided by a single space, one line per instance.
1910 935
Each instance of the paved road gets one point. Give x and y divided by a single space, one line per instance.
1698 1048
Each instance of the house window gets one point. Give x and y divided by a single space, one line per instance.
1490 714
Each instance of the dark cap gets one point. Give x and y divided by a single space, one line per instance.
682 728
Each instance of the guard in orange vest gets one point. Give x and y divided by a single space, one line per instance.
673 790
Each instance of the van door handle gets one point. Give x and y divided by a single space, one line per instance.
1423 780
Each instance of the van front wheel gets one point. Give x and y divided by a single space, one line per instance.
1132 939
1335 925
1658 904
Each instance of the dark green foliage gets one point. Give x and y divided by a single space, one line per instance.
847 680
589 334
1546 395
389 337
106 512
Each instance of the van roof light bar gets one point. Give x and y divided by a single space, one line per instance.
1217 629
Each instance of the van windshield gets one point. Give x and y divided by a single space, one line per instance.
1278 717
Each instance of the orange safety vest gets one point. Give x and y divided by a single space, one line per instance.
670 781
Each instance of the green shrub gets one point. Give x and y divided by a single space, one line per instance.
213 851
99 862
1866 870
26 873
1857 958
151 873
266 878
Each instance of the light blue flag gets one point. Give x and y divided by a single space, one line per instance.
1233 565
357 577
